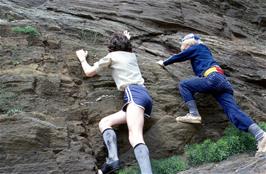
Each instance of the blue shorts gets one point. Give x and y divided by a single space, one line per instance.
139 95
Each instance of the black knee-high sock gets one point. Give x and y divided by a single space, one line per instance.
110 141
142 155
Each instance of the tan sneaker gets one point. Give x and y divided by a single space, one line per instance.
262 146
189 118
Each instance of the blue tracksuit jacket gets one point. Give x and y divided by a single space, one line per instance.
199 55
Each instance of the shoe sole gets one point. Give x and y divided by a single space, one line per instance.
111 171
260 154
189 121
263 144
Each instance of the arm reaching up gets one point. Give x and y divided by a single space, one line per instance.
126 33
160 62
89 70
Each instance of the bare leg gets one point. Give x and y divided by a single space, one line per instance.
110 140
135 122
112 120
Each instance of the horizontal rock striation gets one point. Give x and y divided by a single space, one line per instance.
49 111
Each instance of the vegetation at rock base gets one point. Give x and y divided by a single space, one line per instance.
129 170
173 164
233 142
29 30
210 151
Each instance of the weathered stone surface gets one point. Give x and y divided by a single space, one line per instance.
56 127
239 164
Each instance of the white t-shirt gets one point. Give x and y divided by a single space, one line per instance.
125 69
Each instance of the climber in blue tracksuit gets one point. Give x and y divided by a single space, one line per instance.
210 79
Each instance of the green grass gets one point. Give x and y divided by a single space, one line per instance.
129 170
170 165
233 142
29 30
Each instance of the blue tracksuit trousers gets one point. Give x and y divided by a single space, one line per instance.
217 84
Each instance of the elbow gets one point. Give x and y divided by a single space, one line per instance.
90 74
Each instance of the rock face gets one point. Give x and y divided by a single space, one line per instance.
50 111
240 164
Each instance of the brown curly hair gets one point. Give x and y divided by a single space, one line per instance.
119 42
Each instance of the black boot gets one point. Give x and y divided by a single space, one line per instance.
109 168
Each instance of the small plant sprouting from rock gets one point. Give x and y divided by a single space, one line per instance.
29 30
14 111
90 36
